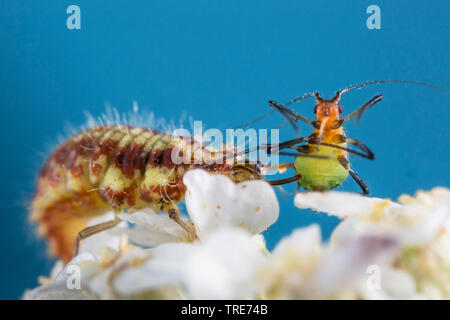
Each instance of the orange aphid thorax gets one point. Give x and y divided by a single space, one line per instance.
328 122
327 113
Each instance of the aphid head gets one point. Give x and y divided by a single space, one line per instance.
327 108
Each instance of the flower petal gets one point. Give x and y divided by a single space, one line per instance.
341 204
304 242
59 290
221 267
394 284
224 267
164 267
346 264
286 273
153 229
214 201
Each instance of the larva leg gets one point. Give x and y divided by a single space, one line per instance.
174 214
89 231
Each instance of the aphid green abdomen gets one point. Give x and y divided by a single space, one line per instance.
324 174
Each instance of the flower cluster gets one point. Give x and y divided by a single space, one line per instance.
380 250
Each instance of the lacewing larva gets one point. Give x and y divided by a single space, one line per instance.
114 167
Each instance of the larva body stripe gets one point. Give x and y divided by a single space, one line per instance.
111 167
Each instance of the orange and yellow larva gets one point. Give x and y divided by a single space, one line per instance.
114 167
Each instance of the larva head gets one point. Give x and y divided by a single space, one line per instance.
238 172
245 172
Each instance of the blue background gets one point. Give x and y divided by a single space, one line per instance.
220 62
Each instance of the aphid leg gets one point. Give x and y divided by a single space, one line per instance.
285 112
283 166
284 181
270 149
174 214
360 182
290 143
89 231
249 123
364 188
283 192
289 114
359 112
369 154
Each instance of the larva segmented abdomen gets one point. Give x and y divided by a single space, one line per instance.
104 168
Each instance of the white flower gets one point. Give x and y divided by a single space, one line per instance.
342 204
302 267
418 226
287 272
346 266
163 268
393 284
59 287
224 267
428 258
221 265
151 229
381 250
214 201
414 223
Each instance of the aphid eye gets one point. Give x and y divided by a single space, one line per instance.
340 109
315 109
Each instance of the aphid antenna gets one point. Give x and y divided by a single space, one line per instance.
293 116
339 94
249 123
264 147
358 113
307 95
